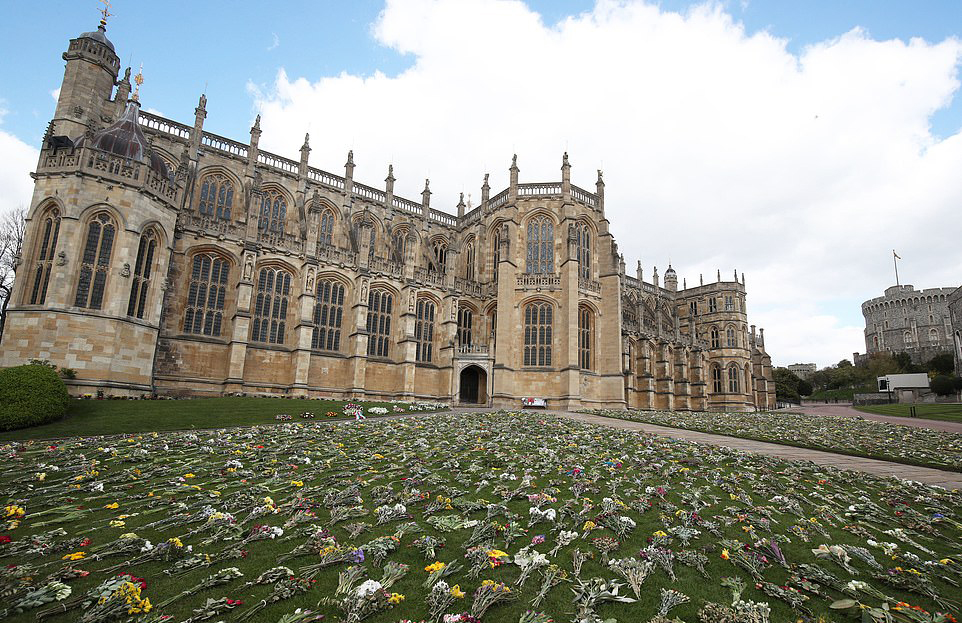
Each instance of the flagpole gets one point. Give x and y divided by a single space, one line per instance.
895 260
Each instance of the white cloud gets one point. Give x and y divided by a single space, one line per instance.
720 148
275 41
17 160
55 94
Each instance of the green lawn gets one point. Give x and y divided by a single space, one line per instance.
110 417
946 413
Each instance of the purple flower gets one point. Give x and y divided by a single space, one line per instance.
357 556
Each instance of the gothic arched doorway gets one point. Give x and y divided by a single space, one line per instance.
473 385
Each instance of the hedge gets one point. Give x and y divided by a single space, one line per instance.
31 395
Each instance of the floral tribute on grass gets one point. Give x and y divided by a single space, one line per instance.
480 517
845 435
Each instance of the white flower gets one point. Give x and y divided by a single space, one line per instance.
368 588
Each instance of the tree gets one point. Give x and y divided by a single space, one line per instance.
882 364
904 362
804 388
945 385
12 227
942 364
786 385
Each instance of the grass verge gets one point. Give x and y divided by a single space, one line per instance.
112 417
943 412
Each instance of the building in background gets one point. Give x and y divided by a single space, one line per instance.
906 320
803 371
955 317
160 258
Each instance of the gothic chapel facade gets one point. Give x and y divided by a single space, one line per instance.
163 258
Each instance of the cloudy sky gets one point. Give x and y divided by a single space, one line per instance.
797 144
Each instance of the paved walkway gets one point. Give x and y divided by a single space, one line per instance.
846 410
937 477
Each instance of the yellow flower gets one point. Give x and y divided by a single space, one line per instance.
395 598
175 541
589 525
112 505
660 533
74 556
116 523
436 566
41 476
189 476
497 553
15 512
724 554
456 592
297 483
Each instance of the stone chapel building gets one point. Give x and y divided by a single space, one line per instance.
163 258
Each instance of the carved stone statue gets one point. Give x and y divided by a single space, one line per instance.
248 267
125 271
310 280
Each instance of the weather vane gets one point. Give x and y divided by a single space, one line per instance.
105 13
139 79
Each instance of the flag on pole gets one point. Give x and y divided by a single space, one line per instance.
895 254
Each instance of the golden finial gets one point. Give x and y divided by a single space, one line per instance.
139 79
105 13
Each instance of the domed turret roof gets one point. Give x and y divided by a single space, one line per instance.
670 271
99 35
125 139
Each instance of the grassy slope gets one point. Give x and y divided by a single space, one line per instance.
946 413
110 417
773 437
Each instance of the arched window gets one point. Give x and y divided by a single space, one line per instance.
273 213
216 197
328 310
465 321
469 262
379 308
716 379
713 334
629 313
50 231
143 268
907 336
205 295
537 334
440 256
584 251
94 262
270 307
424 331
496 256
934 336
540 246
733 379
730 336
326 235
584 338
399 245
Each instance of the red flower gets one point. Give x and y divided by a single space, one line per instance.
83 543
5 538
234 602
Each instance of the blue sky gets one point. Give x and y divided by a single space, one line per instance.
766 137
221 45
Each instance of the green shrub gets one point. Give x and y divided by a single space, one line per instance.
945 385
31 395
